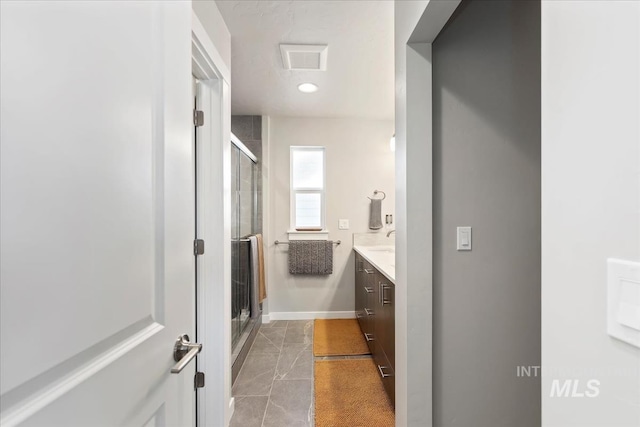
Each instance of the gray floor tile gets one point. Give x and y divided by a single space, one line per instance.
295 363
281 350
290 404
249 411
300 324
269 340
297 345
299 334
276 324
256 375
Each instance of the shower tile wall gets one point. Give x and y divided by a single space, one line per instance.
249 130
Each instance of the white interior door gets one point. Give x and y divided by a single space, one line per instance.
97 213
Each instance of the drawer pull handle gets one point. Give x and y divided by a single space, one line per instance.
382 374
369 312
366 270
368 337
383 294
369 290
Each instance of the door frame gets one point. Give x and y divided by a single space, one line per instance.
215 404
414 210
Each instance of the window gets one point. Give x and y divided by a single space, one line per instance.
307 188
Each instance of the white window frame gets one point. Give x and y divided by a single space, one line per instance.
294 191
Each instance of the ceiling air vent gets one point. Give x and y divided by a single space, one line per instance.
304 57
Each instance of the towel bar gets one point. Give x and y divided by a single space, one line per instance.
278 242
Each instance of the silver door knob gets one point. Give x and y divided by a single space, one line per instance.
184 352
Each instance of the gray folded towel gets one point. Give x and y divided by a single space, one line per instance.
375 214
310 257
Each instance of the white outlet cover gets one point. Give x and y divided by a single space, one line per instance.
623 300
343 224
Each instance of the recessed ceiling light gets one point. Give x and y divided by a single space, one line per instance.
307 87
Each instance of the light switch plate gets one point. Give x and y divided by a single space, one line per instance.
463 237
343 224
623 300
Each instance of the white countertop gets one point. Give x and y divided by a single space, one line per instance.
382 258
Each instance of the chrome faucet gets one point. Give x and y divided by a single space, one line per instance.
389 233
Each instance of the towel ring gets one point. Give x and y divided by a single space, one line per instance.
384 196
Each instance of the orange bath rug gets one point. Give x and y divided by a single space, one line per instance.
338 337
349 393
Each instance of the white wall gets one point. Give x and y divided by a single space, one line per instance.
590 203
358 161
212 21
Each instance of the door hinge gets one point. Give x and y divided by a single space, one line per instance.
198 118
198 380
198 247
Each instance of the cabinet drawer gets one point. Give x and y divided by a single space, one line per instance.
388 325
370 338
387 374
360 295
375 311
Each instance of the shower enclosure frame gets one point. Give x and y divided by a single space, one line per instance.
243 224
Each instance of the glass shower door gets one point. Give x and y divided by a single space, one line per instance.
243 202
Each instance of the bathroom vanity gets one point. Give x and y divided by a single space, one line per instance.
374 307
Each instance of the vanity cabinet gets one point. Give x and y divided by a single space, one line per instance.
365 299
374 307
361 296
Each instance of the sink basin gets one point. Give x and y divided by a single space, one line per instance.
382 257
382 249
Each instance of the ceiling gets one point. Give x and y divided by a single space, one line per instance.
359 81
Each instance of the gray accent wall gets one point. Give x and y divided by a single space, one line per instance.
486 150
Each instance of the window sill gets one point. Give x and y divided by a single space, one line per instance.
308 235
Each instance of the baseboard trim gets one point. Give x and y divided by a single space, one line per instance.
307 315
232 408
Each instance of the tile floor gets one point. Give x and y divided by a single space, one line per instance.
275 385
